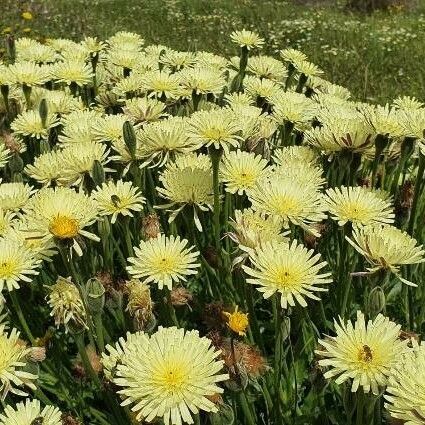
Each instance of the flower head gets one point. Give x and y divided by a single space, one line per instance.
216 128
387 248
18 263
291 200
13 359
30 413
289 269
175 376
13 196
253 228
62 214
72 71
164 260
405 393
363 352
359 205
114 198
237 321
202 80
248 39
242 170
139 304
29 73
66 304
29 123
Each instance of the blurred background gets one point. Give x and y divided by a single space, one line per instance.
375 48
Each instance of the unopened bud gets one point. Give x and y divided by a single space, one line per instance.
130 138
42 110
16 164
98 173
95 295
376 301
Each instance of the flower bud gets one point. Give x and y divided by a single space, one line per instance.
95 295
130 138
376 301
98 173
42 110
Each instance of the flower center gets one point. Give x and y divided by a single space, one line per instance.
64 227
284 278
214 133
365 354
356 212
6 269
165 265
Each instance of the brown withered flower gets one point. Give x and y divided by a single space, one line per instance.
139 304
151 227
180 296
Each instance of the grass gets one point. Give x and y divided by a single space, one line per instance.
376 56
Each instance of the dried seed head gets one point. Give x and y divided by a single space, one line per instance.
151 227
180 296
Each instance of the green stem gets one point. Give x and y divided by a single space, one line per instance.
277 355
360 407
21 317
97 319
79 340
416 195
250 420
215 155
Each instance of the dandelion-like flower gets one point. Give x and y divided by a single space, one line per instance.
260 88
237 321
253 228
62 214
266 67
72 71
161 139
29 73
187 184
78 161
248 39
358 205
175 376
292 56
289 269
364 352
202 80
144 110
164 260
13 196
30 413
115 198
295 156
66 304
292 201
387 248
161 83
47 167
13 358
242 170
216 128
29 123
18 264
4 155
405 394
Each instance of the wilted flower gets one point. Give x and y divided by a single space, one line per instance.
66 304
139 304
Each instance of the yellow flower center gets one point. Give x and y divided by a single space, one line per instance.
355 211
172 377
237 321
214 133
165 265
286 206
365 354
64 227
245 178
7 268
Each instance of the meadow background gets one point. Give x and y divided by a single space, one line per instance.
375 56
